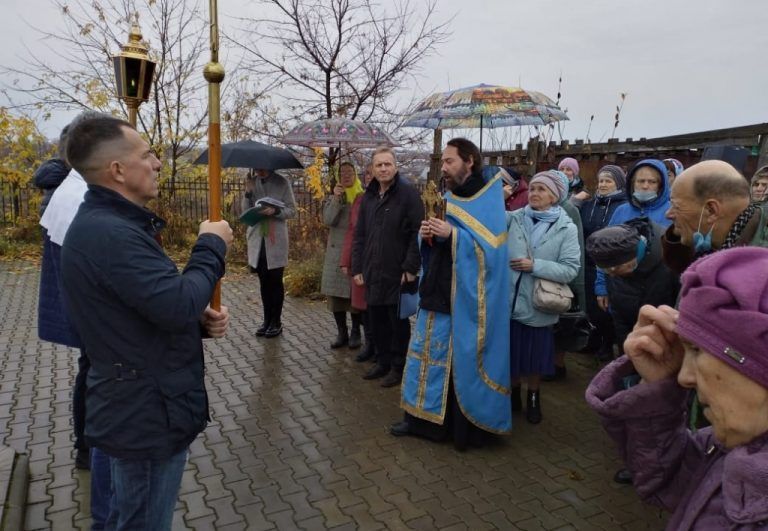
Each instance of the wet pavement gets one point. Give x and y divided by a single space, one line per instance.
299 441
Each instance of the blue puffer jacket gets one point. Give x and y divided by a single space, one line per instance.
52 320
654 210
138 318
558 258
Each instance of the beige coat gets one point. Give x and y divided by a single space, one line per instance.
276 241
336 217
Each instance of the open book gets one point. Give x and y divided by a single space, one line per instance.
255 214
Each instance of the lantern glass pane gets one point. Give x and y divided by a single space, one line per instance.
147 85
132 77
119 82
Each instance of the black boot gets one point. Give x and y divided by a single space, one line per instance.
275 329
369 352
260 331
623 477
354 335
533 408
517 398
342 336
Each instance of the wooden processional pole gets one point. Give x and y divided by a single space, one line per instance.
214 75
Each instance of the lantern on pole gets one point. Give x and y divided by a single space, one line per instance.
133 71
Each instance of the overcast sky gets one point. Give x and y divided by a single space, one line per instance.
686 65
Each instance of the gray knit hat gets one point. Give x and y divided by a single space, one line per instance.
613 246
616 173
553 182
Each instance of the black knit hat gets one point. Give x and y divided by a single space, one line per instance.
613 246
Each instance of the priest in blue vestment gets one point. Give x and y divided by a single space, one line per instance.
456 382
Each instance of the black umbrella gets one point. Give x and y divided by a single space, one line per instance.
251 154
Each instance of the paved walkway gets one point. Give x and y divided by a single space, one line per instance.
299 441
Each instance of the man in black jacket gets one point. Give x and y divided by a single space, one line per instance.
385 256
140 320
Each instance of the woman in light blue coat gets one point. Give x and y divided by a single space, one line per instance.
543 243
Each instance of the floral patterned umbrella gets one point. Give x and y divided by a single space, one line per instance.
484 106
338 133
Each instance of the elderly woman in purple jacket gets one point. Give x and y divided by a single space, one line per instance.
717 345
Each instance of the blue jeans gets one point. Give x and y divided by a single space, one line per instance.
144 492
101 489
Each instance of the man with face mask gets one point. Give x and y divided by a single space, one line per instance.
710 210
457 377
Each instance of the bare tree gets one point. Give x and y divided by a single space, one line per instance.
327 58
82 76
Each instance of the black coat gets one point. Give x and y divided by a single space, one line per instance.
597 212
651 283
385 243
435 288
138 318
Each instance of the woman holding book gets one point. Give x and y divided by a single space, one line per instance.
268 242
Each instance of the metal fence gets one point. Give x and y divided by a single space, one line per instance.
189 200
18 202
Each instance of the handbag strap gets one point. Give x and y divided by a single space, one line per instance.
520 278
517 290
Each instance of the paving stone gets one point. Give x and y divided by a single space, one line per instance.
196 506
299 441
206 523
62 519
226 513
34 516
254 517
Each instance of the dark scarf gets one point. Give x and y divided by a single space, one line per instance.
738 226
471 186
736 229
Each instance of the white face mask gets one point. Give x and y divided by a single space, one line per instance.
645 196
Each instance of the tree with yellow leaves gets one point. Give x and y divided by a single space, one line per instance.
82 75
22 148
